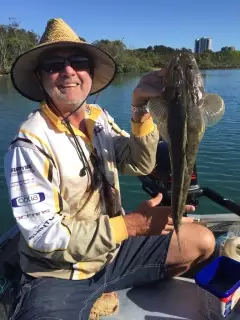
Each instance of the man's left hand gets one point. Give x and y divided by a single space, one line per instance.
149 86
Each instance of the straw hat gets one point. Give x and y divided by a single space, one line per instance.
57 35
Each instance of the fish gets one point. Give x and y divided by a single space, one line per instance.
182 113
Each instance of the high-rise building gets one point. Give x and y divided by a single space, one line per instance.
196 46
203 44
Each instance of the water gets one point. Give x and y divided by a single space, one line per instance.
218 160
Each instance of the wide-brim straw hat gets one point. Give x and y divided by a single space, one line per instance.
59 35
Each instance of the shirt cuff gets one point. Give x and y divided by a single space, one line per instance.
141 129
119 229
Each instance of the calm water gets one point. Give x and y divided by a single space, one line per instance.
219 155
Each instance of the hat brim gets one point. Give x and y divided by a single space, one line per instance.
23 69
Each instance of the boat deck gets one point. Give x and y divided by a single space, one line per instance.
176 298
170 300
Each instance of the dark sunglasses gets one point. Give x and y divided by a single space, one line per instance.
57 64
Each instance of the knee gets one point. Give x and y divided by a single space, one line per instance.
206 243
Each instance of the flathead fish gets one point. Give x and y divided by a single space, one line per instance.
183 113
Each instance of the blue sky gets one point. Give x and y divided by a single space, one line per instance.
170 22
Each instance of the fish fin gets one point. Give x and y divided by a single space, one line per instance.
213 109
159 112
163 131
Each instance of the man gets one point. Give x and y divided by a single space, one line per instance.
62 175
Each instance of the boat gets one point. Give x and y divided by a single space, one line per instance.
170 299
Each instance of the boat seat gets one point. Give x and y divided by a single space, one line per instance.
169 300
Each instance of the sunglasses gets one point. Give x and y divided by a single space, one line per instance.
57 64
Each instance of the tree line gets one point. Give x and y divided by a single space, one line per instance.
14 40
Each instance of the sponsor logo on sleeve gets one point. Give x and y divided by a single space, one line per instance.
27 200
21 183
43 228
21 170
31 215
25 183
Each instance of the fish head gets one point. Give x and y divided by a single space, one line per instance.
183 80
183 98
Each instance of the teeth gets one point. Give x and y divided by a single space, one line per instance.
70 85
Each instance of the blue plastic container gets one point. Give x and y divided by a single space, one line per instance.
219 287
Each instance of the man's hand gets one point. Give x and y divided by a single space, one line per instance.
150 219
149 86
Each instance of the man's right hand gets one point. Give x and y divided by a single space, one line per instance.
150 219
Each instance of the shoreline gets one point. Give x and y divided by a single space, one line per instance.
155 69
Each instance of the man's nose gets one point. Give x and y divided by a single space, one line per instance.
68 70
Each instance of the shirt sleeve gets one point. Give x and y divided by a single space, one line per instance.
135 152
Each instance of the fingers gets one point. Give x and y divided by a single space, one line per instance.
165 232
186 220
150 86
169 228
153 74
153 79
189 208
161 72
155 201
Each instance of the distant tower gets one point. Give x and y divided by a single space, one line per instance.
196 46
203 44
208 43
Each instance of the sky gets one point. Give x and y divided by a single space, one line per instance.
140 23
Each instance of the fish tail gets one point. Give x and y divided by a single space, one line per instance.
178 241
177 227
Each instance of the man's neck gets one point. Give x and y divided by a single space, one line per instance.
76 119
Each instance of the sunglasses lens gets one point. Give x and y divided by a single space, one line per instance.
54 66
57 64
79 63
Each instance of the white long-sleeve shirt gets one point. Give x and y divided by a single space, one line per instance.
66 231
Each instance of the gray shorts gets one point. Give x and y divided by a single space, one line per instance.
140 260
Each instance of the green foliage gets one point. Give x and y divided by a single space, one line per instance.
146 59
15 40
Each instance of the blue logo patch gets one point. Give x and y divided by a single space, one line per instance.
28 199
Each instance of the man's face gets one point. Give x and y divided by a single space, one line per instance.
65 75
